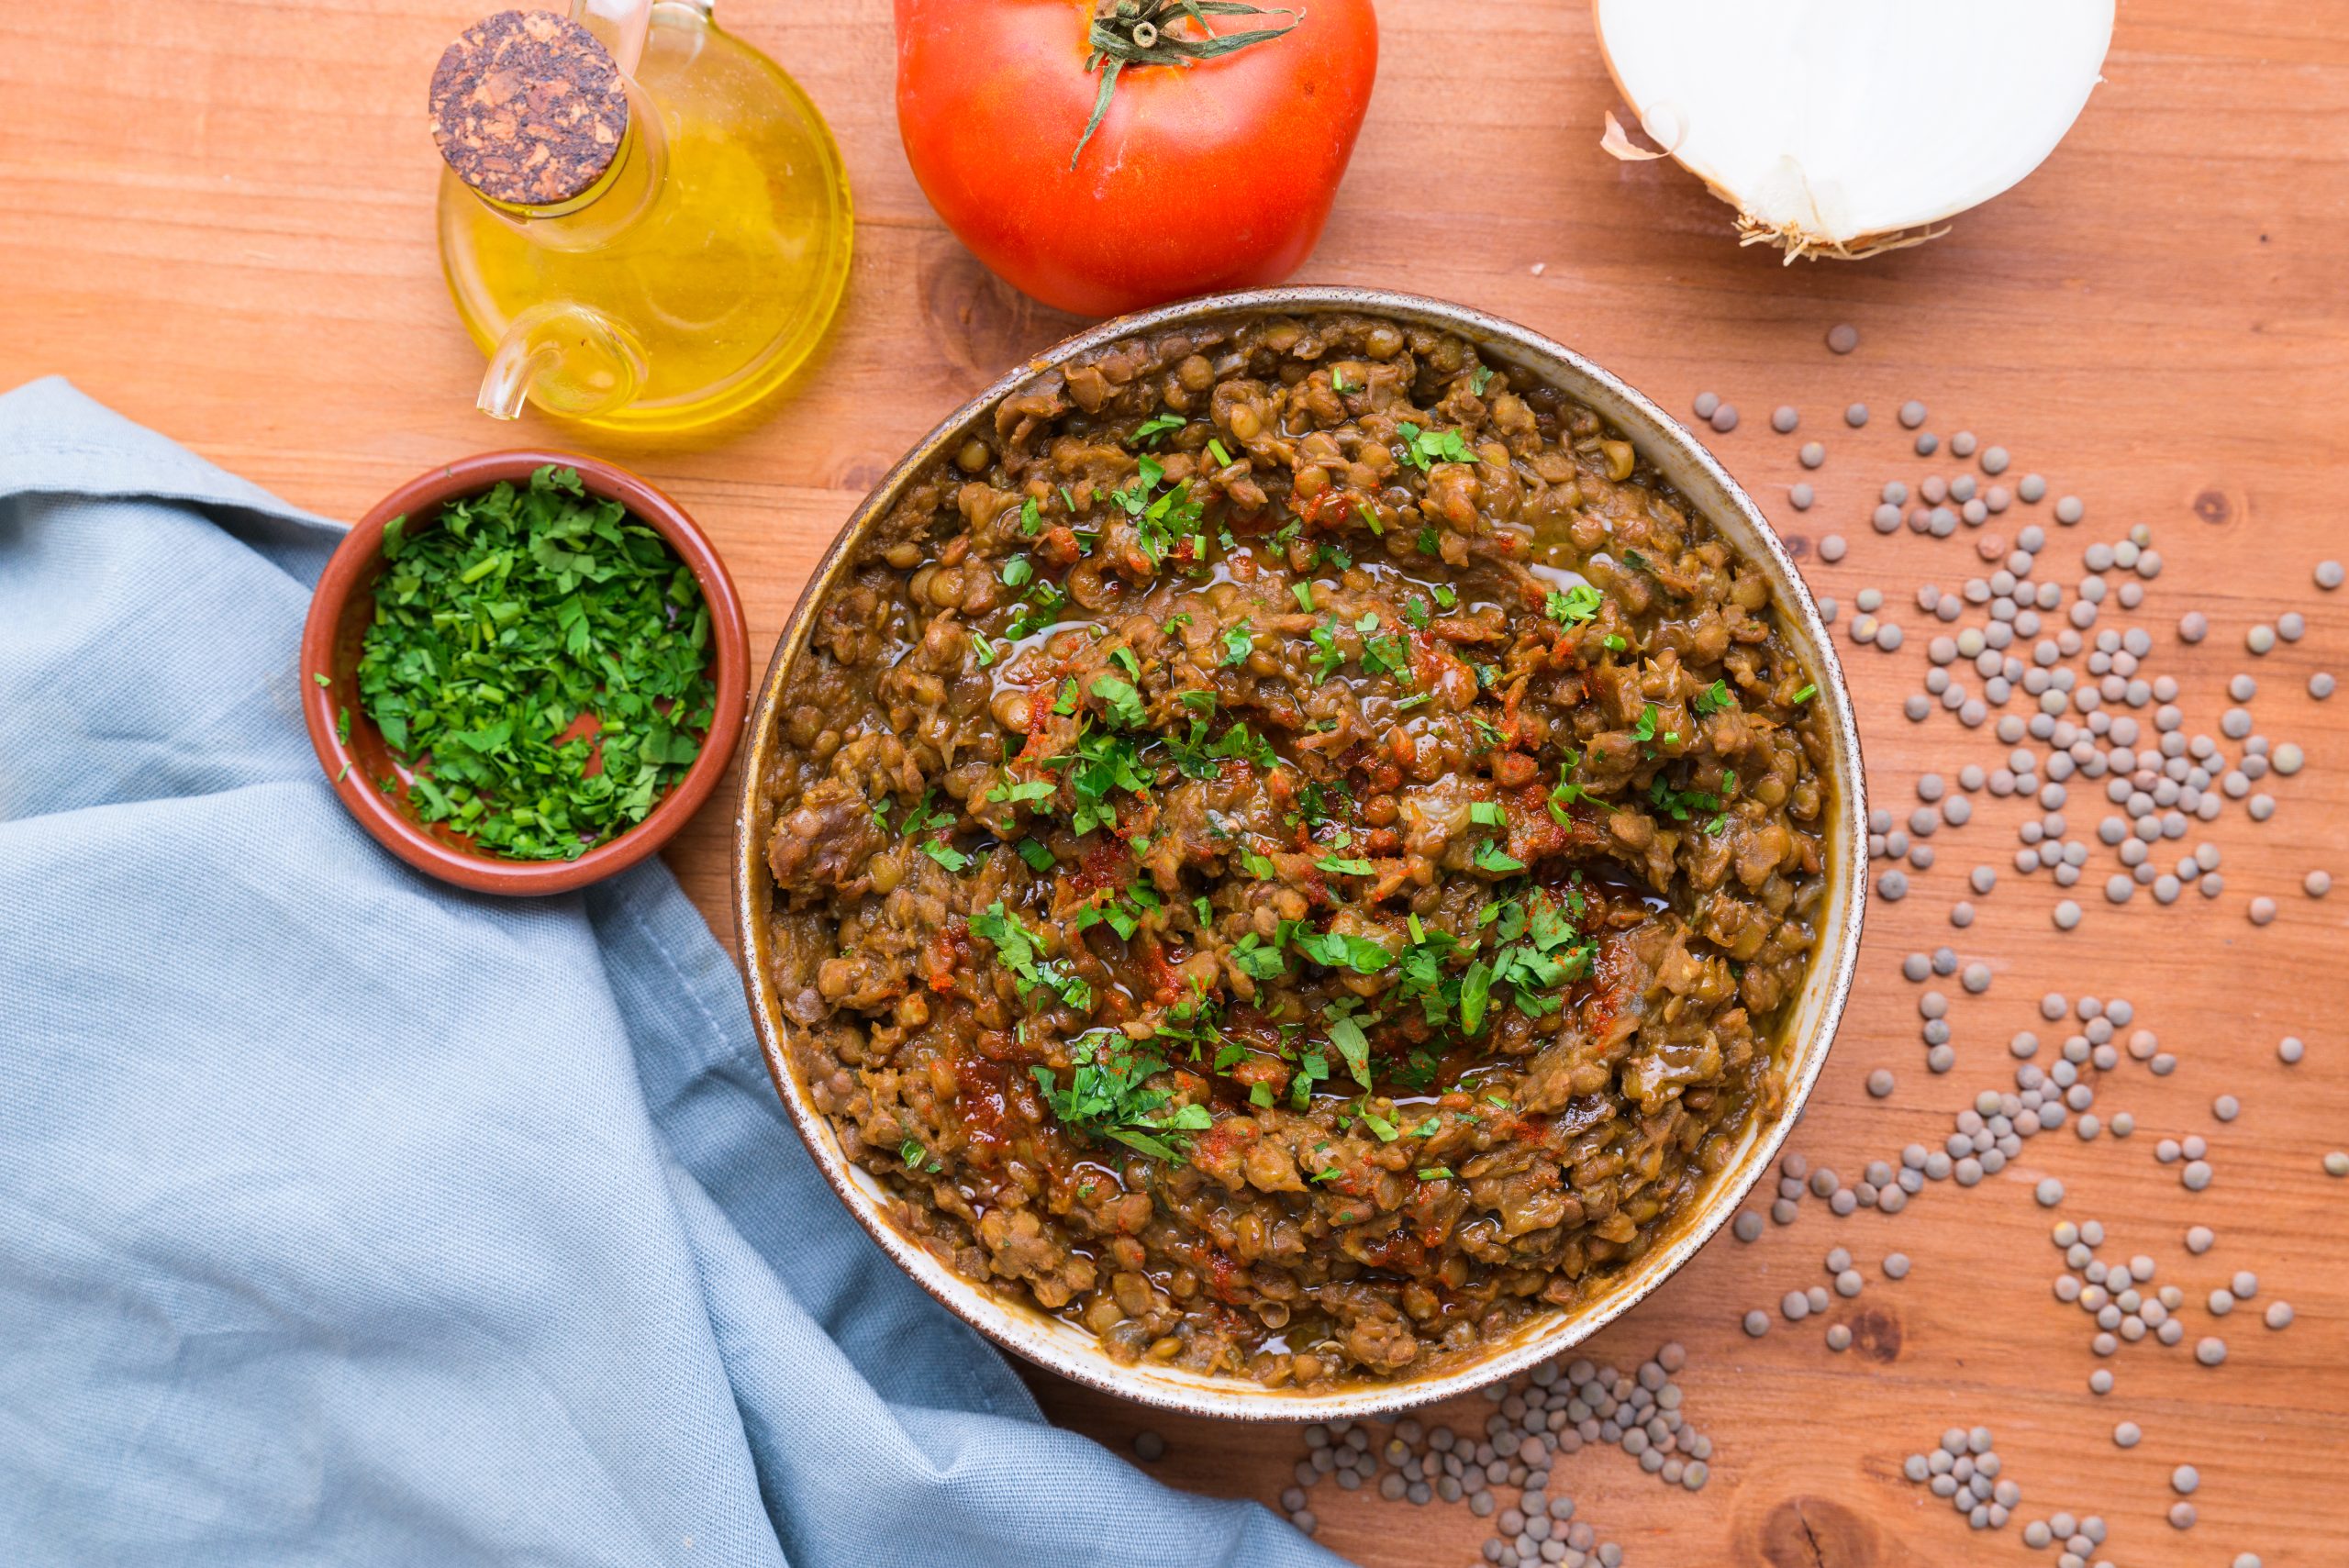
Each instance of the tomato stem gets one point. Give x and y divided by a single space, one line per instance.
1134 32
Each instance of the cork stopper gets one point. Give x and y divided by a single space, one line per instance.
528 108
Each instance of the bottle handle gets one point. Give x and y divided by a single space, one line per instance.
569 358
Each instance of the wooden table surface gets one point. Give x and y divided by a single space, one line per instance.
215 216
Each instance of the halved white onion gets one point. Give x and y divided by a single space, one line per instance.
1843 127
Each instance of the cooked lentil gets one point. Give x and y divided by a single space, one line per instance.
1293 861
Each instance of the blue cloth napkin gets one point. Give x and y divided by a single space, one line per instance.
347 1218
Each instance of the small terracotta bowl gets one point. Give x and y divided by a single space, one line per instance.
344 603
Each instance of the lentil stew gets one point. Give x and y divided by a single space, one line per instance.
1291 850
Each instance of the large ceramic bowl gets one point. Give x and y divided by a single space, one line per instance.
1070 1351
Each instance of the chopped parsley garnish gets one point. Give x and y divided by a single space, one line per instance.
527 611
1027 792
1493 858
1714 698
1424 448
1016 946
1345 866
1576 606
1346 1033
1239 642
1311 1068
1162 521
1045 598
1566 792
1196 757
946 854
1340 950
1124 702
914 1154
1680 805
1645 729
1258 960
1475 993
1387 654
1122 913
1109 1096
1099 763
1326 657
1150 430
1479 378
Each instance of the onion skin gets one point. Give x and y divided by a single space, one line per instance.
1844 129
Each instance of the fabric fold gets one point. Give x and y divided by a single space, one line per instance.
346 1218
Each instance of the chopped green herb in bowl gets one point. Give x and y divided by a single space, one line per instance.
513 664
540 660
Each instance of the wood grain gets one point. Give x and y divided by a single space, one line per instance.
216 216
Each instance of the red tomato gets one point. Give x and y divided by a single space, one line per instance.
1216 175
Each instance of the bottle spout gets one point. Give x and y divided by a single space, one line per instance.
571 360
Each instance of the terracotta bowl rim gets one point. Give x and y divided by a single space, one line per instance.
352 568
1067 1351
